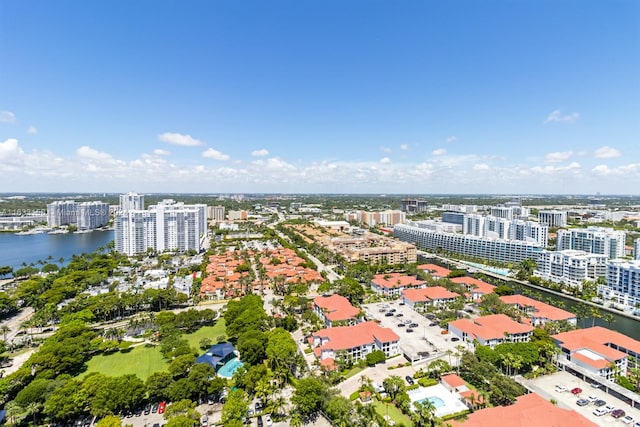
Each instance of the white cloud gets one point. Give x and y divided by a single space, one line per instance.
214 154
161 152
385 149
439 152
607 152
10 149
558 117
260 153
32 130
87 152
451 138
558 156
481 167
385 160
179 139
7 117
404 147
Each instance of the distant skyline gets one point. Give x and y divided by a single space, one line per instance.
379 97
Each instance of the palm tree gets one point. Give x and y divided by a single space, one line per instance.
4 329
295 419
424 414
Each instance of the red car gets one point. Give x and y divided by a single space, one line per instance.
576 390
161 407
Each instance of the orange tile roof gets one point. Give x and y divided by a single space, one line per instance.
428 294
490 327
598 339
596 363
346 337
453 380
396 280
475 284
542 310
472 396
336 307
435 270
529 410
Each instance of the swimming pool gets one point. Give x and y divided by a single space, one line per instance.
435 401
496 270
229 368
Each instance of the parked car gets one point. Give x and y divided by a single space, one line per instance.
161 407
433 324
627 420
582 402
592 398
576 390
401 325
409 379
561 388
609 408
393 310
617 413
389 314
267 420
598 412
454 339
204 421
598 403
147 409
399 315
155 407
409 330
260 422
413 325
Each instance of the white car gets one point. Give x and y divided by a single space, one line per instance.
608 408
599 412
267 420
561 388
627 420
592 398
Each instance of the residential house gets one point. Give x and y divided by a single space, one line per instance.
392 285
417 298
354 342
491 330
538 312
335 309
476 288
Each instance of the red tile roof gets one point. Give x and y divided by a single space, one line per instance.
396 280
453 380
541 310
475 284
428 294
489 327
346 337
435 270
336 307
530 410
598 339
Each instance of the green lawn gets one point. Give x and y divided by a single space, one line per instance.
394 413
141 361
354 371
211 332
144 361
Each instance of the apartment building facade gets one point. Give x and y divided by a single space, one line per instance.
595 240
571 267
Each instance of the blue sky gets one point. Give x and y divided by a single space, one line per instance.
306 96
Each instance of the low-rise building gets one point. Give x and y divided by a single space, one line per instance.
476 288
599 350
434 270
335 309
538 312
354 342
417 298
392 285
527 411
491 330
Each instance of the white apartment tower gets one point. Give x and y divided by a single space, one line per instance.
61 212
623 282
553 218
636 249
167 226
92 215
570 266
595 240
131 201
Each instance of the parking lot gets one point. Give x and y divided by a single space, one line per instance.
418 340
546 387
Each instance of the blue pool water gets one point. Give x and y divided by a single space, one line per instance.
229 368
435 401
496 270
